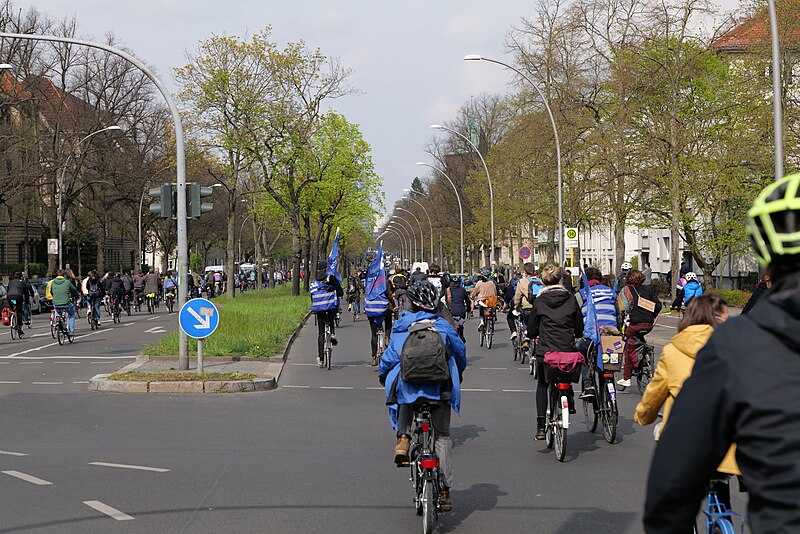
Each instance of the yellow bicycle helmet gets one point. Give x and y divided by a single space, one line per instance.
775 220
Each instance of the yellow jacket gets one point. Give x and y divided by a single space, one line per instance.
674 367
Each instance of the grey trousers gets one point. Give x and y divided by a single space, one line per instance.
440 419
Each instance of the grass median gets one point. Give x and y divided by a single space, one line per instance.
256 323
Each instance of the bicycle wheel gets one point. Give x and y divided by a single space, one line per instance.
428 507
92 322
60 335
515 349
610 418
533 370
549 420
723 526
52 328
560 438
590 414
14 325
645 373
70 337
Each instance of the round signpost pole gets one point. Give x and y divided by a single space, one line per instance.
200 356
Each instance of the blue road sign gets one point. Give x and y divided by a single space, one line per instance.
198 318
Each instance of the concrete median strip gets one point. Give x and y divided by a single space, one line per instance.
101 382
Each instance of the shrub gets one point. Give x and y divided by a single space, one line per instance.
660 287
735 298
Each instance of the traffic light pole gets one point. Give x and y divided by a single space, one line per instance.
183 242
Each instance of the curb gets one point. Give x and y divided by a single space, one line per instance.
289 344
102 383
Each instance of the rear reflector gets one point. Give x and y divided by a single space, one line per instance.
429 464
562 386
426 427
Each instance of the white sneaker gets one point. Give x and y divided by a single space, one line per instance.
514 335
623 382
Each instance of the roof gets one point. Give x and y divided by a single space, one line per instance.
755 33
10 87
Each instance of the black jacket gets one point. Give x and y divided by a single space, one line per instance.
758 292
460 302
744 389
556 320
638 314
16 289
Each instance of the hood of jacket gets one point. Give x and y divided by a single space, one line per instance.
690 340
554 296
407 318
59 281
778 311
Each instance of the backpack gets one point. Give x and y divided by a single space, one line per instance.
533 289
6 316
423 358
169 284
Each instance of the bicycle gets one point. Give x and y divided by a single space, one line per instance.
338 317
644 366
425 472
719 518
90 316
518 342
116 311
557 416
151 302
327 351
381 339
170 298
16 331
602 406
487 320
61 329
137 300
126 304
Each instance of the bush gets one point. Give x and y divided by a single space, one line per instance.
735 298
34 269
660 287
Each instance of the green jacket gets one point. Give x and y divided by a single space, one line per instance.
62 289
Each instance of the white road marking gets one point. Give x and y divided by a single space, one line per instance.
304 364
28 363
518 391
82 382
462 389
128 324
154 318
126 466
667 326
108 510
9 382
380 388
41 335
103 362
4 363
46 383
336 387
78 363
28 478
494 368
74 357
34 349
9 453
155 330
297 387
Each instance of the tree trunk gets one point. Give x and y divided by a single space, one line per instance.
257 253
619 245
307 254
229 249
297 250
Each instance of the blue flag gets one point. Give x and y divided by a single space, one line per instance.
375 301
333 259
591 329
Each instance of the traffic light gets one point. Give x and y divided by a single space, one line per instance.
166 207
196 206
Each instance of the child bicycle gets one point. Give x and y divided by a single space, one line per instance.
719 518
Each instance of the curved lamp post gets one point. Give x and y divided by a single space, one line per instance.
412 237
489 178
403 243
61 189
419 223
430 222
476 57
460 208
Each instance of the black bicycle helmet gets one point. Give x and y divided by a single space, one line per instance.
423 295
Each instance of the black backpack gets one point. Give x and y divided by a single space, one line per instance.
423 359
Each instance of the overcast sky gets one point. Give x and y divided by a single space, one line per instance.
406 56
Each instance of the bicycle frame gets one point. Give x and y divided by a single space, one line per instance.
425 469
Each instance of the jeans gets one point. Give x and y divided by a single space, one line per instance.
440 419
70 309
26 312
94 302
387 328
326 317
357 305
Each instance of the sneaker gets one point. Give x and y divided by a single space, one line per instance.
445 501
374 362
21 333
540 429
624 383
514 335
320 362
401 450
587 394
98 323
334 341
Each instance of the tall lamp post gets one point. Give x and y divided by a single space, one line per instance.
460 208
476 57
412 237
61 190
430 222
488 177
421 235
777 109
403 243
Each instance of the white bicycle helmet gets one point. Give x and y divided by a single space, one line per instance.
690 276
626 266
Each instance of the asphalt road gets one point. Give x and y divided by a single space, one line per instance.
315 455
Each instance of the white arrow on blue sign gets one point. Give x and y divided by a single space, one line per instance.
198 318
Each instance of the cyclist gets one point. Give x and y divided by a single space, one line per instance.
354 290
622 279
605 304
508 303
744 387
484 295
640 306
399 283
527 287
556 320
27 296
16 292
400 396
151 284
138 287
127 284
115 290
764 285
692 288
62 291
325 294
675 365
169 285
93 290
379 309
459 303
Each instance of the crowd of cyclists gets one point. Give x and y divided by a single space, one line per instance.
727 389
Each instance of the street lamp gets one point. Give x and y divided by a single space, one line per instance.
476 57
412 237
421 235
485 168
404 244
460 209
430 222
5 66
61 190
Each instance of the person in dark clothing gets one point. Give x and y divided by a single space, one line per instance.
557 321
15 293
744 389
459 303
639 306
325 294
26 299
762 287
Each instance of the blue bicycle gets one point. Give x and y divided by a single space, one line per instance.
719 518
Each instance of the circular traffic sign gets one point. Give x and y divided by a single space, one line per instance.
198 318
572 233
525 253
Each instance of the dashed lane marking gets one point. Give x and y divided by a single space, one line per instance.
107 361
304 364
108 510
475 389
337 387
297 387
28 478
78 363
153 318
11 453
81 382
136 467
46 383
29 363
517 391
41 335
378 388
9 382
494 368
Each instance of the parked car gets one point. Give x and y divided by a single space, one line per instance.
39 304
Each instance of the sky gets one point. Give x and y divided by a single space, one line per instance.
406 56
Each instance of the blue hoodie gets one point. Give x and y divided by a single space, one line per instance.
390 364
691 290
